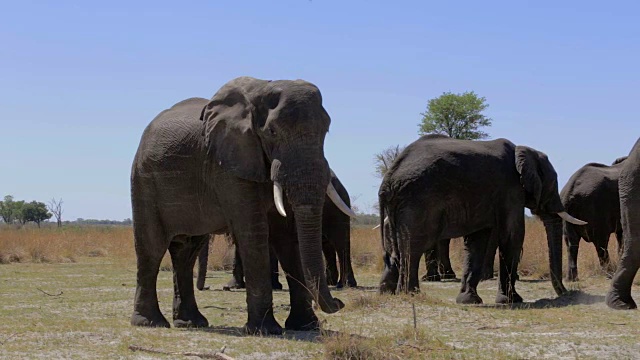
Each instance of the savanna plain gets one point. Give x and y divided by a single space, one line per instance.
67 293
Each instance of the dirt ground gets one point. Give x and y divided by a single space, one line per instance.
81 310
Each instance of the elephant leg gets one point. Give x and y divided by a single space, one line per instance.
475 250
390 275
273 263
184 251
619 295
301 316
488 265
431 263
444 261
620 241
252 239
203 259
510 252
411 250
572 241
603 255
340 237
146 311
237 279
329 252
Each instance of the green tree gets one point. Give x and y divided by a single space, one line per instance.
7 209
457 115
385 159
35 211
18 212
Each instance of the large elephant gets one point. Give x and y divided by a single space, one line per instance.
592 195
336 240
442 188
619 295
214 166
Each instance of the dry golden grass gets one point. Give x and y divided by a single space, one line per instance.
53 245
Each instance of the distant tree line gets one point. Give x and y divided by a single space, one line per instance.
21 212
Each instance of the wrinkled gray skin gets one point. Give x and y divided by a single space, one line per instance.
336 240
619 295
442 188
209 167
591 194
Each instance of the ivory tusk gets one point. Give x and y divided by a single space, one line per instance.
277 198
333 195
386 221
568 218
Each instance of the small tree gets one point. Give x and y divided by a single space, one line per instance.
457 115
35 211
7 209
385 159
19 211
55 206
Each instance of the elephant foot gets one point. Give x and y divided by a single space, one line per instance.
266 326
572 275
470 297
352 283
234 284
276 285
196 320
302 322
332 280
431 277
154 320
515 298
617 302
448 276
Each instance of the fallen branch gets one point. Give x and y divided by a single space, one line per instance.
8 338
216 355
46 293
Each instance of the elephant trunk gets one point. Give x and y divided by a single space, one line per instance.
309 225
305 185
553 226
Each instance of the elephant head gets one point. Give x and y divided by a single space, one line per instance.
264 131
540 183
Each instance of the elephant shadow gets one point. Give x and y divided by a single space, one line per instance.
314 336
572 297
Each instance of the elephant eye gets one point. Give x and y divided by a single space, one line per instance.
271 131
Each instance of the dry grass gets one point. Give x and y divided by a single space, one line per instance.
52 245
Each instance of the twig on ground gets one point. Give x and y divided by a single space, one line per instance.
8 338
46 293
216 355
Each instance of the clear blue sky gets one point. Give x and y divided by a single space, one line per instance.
80 80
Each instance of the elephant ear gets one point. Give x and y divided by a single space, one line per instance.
530 177
619 160
230 137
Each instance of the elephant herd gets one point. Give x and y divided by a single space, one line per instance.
249 163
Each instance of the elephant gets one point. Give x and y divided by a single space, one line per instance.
441 188
619 294
226 165
336 240
592 195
